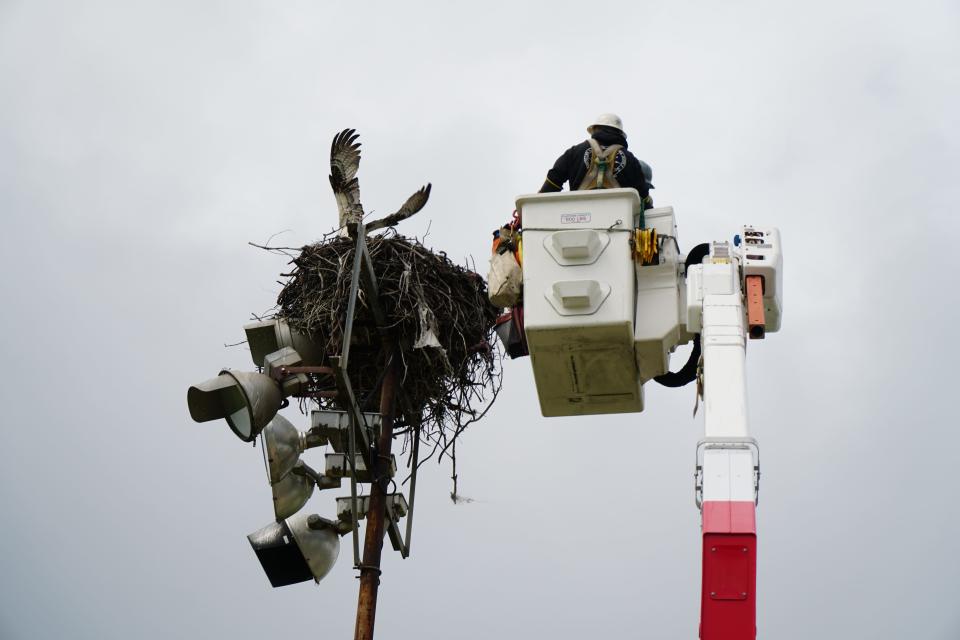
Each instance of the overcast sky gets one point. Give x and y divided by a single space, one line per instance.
142 145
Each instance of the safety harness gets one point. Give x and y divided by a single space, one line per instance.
601 172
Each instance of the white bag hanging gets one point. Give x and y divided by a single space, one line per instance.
505 280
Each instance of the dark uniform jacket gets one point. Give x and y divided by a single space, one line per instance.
573 165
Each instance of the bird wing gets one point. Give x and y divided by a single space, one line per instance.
413 204
344 162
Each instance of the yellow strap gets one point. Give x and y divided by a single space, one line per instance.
645 246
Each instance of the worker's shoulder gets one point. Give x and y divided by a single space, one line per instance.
633 159
578 148
573 154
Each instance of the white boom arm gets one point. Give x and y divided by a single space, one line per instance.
607 297
728 459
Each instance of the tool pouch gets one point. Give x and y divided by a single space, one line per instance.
505 279
509 329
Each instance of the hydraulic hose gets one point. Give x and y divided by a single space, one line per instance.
688 372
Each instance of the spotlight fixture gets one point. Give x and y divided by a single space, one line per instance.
269 336
282 446
248 401
292 491
298 548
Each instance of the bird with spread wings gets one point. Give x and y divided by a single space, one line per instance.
344 162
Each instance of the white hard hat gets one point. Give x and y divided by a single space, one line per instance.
607 120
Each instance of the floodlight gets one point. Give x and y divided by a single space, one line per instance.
282 446
291 493
293 490
269 336
296 549
248 401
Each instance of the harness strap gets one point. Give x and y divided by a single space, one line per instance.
600 174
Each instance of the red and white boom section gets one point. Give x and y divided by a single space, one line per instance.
607 297
734 294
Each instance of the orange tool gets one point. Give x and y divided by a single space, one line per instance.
756 322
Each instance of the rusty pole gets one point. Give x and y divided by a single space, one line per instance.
373 539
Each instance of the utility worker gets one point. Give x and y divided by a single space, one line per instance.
601 162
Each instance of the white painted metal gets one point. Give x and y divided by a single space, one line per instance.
761 255
723 341
729 478
577 297
662 219
728 472
694 299
576 246
580 300
609 209
658 328
728 475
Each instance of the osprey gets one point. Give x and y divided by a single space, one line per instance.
344 162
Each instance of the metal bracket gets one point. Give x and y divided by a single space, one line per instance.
402 544
359 430
725 443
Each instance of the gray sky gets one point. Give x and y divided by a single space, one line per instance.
143 144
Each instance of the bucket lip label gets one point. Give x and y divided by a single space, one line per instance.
574 218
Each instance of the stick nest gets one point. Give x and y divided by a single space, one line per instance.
437 313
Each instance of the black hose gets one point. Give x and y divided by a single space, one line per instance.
696 256
687 373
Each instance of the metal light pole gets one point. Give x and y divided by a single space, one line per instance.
376 516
